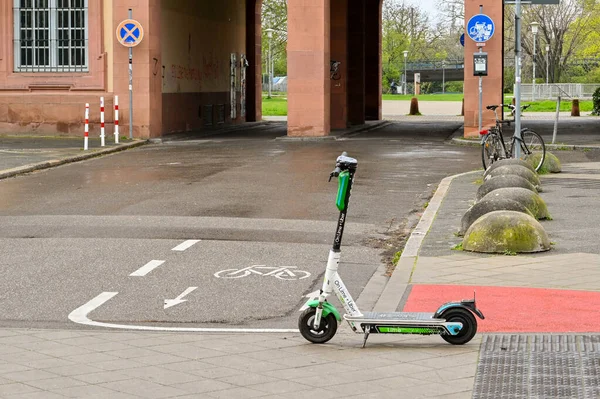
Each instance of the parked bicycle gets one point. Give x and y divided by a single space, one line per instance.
494 148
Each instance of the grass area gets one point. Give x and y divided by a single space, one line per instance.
274 106
425 97
550 106
277 104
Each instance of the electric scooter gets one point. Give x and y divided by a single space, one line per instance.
454 321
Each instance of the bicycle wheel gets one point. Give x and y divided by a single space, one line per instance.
232 273
491 150
533 149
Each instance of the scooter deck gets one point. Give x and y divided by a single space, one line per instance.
395 318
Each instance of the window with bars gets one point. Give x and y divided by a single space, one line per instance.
51 35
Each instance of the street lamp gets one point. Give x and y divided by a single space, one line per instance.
444 77
405 56
534 30
269 61
547 62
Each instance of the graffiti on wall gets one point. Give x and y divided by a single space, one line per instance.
243 65
210 69
233 89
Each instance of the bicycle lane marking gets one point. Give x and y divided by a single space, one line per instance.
80 316
280 272
185 245
147 268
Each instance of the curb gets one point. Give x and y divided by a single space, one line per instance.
572 147
203 134
342 135
4 174
397 284
362 129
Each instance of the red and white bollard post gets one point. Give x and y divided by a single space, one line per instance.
102 141
116 119
87 127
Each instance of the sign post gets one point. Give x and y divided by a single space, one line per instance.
518 4
130 33
518 77
480 29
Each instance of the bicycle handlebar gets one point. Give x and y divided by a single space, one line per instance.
509 106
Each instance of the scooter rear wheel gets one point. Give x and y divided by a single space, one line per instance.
324 333
468 321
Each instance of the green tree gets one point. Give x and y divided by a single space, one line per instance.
408 28
274 16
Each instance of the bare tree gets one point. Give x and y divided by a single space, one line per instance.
563 27
453 14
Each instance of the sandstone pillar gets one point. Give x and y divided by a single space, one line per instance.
492 84
373 60
356 63
308 68
339 52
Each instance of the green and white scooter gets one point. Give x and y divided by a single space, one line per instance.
454 321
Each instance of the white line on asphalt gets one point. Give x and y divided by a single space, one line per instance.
185 245
147 268
80 316
173 302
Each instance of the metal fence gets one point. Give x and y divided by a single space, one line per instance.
551 91
279 84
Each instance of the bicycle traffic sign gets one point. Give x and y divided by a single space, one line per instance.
130 33
480 28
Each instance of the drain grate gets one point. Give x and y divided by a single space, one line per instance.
538 366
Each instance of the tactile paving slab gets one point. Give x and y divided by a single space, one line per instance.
538 366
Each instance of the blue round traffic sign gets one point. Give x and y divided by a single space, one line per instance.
462 40
130 33
480 28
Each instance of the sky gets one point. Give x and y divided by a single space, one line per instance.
429 6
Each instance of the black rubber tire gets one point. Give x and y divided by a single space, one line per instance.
491 151
469 325
532 144
326 330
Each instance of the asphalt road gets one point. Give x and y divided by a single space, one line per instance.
115 224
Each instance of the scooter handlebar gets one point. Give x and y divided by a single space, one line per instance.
336 172
343 162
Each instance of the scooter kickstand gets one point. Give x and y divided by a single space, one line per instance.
367 331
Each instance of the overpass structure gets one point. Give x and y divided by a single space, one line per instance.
436 71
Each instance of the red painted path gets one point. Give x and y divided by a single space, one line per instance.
514 309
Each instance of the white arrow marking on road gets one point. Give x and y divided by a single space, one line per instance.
185 245
147 268
179 299
313 296
80 316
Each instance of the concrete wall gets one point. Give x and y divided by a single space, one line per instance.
197 38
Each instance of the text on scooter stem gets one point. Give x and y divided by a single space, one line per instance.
344 295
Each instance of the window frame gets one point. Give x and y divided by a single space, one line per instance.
53 46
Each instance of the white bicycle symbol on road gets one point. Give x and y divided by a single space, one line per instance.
282 272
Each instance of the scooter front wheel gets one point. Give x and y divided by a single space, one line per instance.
326 330
468 330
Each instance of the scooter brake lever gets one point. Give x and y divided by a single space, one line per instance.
336 172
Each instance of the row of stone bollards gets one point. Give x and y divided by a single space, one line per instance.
505 217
